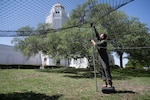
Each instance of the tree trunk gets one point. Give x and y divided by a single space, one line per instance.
121 60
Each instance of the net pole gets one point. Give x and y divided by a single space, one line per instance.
93 55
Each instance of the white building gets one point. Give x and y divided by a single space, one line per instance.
56 18
9 56
79 63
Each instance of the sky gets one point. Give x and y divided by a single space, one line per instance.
15 14
139 9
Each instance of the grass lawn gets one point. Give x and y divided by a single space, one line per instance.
71 84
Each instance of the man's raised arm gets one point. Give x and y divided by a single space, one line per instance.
96 33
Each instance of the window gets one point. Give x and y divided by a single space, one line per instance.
57 12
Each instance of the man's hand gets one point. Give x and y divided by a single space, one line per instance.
93 42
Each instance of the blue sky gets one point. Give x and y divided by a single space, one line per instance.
139 9
17 13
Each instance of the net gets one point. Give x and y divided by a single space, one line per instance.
15 14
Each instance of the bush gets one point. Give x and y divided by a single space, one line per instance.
19 66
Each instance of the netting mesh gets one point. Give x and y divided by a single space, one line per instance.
15 14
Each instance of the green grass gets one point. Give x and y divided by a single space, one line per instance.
71 84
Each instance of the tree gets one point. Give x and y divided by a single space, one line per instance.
125 32
116 25
32 41
73 39
139 40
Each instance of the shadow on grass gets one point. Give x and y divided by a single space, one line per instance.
72 72
117 74
83 75
68 70
117 77
111 90
28 96
131 92
119 92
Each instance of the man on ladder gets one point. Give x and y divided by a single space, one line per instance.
101 46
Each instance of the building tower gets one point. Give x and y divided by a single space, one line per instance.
57 16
